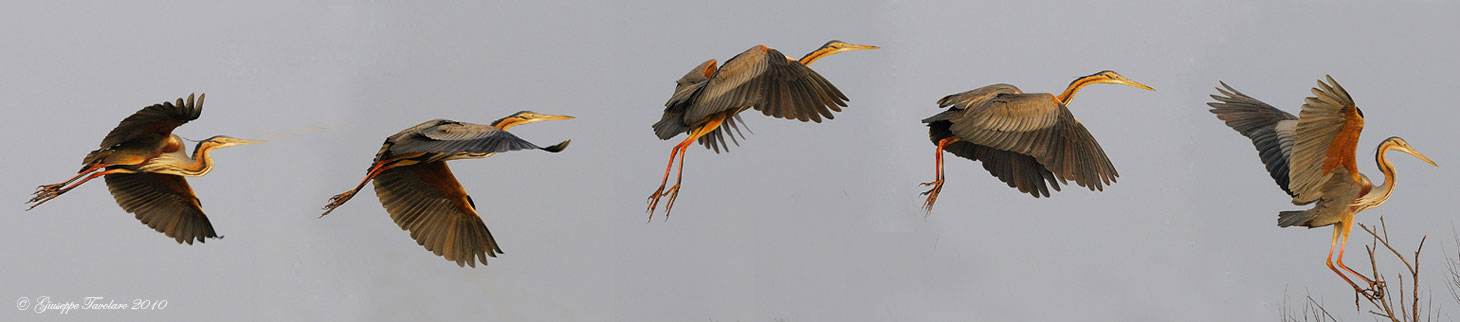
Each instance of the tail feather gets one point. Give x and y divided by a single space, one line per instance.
1295 218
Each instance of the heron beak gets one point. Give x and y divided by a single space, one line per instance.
1420 156
1124 81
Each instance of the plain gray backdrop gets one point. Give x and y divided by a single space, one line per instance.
802 222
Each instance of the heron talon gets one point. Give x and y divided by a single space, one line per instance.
932 194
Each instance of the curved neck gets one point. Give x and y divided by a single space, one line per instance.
818 54
1075 86
201 161
1388 169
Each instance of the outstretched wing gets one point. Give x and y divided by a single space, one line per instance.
452 137
762 78
1326 136
164 202
1270 129
426 200
1037 126
158 119
1019 171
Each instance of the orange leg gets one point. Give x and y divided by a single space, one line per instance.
1344 242
938 175
375 170
673 192
1340 231
51 188
47 196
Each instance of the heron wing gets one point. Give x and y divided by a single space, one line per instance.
764 79
452 137
956 103
1019 171
164 202
158 119
672 122
1327 134
1339 193
1037 126
1270 129
426 200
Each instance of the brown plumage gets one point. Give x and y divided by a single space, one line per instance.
1311 158
707 101
421 194
144 165
1030 141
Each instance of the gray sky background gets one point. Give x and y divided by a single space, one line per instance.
803 222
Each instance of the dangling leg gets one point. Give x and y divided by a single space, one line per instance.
938 175
654 197
1343 241
674 191
1338 231
704 128
43 198
375 170
52 188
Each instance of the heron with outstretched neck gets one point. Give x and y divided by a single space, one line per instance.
143 164
1312 158
422 195
708 100
1030 141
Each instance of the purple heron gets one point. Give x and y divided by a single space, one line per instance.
707 101
1311 157
1029 141
144 165
423 197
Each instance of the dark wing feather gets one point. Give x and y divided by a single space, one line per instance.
452 137
156 119
759 78
1037 126
426 200
1270 129
672 122
1020 171
1322 124
164 202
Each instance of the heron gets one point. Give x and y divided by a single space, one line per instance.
1311 157
708 100
422 195
143 164
1030 141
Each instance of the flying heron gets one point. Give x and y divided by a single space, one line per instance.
1029 141
1311 157
423 197
144 165
707 101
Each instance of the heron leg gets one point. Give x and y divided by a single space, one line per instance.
51 188
700 131
375 170
1337 232
44 197
1347 227
938 176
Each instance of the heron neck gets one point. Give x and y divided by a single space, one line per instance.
202 160
1377 198
1075 86
818 54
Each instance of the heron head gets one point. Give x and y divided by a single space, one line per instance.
223 141
837 46
1110 77
525 117
1398 144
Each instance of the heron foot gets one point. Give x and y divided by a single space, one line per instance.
673 195
932 194
654 200
337 201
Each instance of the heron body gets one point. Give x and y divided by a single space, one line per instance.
1311 157
707 101
421 194
1030 141
144 165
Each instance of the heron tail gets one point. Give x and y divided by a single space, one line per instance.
557 147
1295 218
